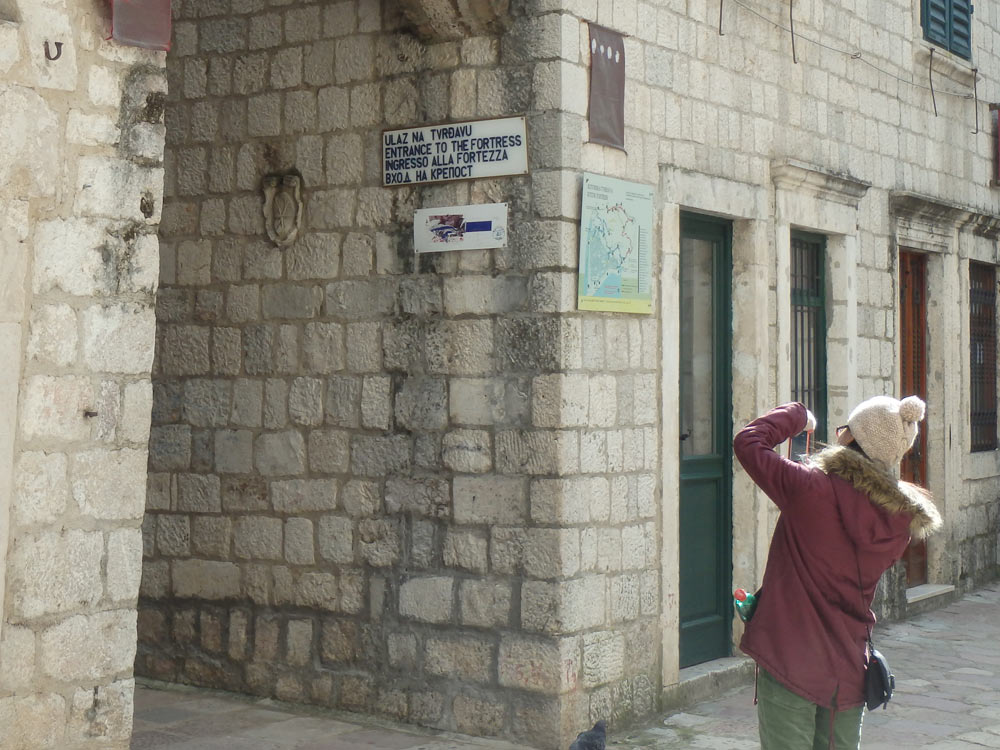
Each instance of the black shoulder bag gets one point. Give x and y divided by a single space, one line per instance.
879 680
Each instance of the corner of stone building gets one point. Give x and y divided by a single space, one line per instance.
80 202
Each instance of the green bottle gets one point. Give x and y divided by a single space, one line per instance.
745 604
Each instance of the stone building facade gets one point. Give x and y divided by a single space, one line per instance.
429 487
81 184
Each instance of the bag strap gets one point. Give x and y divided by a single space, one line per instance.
864 607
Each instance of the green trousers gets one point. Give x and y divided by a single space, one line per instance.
789 722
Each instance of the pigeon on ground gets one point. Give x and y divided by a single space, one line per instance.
592 739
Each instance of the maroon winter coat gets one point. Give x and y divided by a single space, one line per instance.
841 516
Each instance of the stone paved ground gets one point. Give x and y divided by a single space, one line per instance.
947 666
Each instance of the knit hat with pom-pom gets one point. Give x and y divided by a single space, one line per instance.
886 428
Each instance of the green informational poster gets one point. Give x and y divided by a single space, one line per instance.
616 222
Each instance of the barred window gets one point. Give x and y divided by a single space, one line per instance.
808 352
983 356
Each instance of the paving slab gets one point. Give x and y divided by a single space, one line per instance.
946 662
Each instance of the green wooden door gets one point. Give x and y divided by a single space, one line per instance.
705 432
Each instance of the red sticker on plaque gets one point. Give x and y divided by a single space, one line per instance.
141 23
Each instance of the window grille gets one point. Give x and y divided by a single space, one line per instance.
983 356
808 350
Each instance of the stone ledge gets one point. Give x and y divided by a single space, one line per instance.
707 680
928 597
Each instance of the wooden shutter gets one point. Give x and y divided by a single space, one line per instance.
961 28
935 19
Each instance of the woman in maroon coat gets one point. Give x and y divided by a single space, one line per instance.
844 520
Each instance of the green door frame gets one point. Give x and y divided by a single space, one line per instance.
706 631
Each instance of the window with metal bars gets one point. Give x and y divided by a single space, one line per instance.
808 350
983 356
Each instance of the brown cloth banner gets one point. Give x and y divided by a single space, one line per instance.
607 87
141 23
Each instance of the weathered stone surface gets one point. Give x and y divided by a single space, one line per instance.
51 573
89 647
33 721
295 496
110 484
490 500
427 599
17 658
280 453
104 711
206 579
468 659
41 487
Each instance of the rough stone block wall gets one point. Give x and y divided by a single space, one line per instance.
80 196
416 488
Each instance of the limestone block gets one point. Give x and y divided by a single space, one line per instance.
248 402
155 582
185 350
296 496
33 722
199 493
305 402
468 659
478 716
264 116
136 408
377 456
563 607
173 535
291 301
461 347
279 453
299 547
490 500
124 565
603 658
103 711
376 402
402 648
194 262
234 451
118 189
570 500
633 548
424 497
118 338
484 603
364 347
110 484
10 47
625 597
169 447
547 666
89 647
427 599
53 407
328 451
319 590
14 261
30 156
484 295
480 401
17 658
205 579
52 335
323 347
298 642
359 299
41 488
336 539
379 541
466 550
316 256
275 403
467 451
334 108
210 536
422 404
552 553
560 400
257 538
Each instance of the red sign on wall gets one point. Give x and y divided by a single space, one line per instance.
141 23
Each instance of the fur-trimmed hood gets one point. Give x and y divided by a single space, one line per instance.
881 488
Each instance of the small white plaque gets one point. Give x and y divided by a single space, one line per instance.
479 227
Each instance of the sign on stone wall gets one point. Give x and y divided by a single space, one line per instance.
616 220
460 228
455 151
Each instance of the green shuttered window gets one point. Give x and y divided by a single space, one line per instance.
948 23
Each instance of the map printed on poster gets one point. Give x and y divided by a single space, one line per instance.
615 260
455 151
478 227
